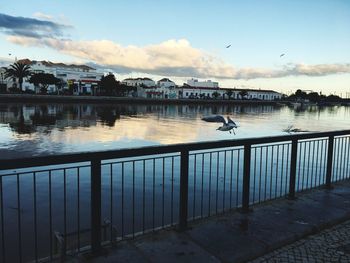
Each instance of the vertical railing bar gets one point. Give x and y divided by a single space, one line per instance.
144 194
2 222
312 162
254 178
217 182
78 205
287 170
271 170
231 177
282 166
246 177
325 159
172 191
329 161
304 161
50 213
65 210
35 219
316 162
336 166
308 165
277 162
194 186
154 195
183 205
260 172
339 149
210 164
224 190
266 163
95 206
163 200
19 219
343 159
122 197
343 154
237 178
348 155
133 199
321 163
202 185
111 202
299 156
293 164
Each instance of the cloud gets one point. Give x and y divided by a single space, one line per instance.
40 15
174 57
30 27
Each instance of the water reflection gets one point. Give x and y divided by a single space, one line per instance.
28 129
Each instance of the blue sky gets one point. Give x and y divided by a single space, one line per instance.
182 39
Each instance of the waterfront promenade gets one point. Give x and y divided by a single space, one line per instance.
240 237
31 98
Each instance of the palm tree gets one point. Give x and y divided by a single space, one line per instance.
18 70
243 94
229 93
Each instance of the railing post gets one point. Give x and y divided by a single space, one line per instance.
246 178
293 168
183 190
329 161
95 206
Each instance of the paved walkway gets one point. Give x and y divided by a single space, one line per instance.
331 245
236 237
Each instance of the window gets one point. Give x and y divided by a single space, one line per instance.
186 93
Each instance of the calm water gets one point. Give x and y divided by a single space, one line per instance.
32 130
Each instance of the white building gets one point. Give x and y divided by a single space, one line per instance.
203 84
84 79
166 83
221 93
138 82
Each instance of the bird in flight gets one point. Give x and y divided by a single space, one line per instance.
282 55
226 126
228 46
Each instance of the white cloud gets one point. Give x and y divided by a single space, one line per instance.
170 58
43 16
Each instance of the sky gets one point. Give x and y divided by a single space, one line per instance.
183 39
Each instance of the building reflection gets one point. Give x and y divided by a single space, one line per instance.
26 118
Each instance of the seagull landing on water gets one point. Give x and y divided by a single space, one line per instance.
226 126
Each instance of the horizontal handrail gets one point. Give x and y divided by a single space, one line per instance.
17 163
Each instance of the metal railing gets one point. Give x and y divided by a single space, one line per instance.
84 201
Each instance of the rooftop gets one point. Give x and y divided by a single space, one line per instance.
52 64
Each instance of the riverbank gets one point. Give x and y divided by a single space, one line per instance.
111 100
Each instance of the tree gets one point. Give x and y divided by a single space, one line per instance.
313 96
300 94
43 80
18 70
215 95
108 84
229 93
243 94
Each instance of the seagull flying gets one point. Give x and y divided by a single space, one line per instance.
228 46
226 126
282 55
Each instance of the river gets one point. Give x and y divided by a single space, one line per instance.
41 129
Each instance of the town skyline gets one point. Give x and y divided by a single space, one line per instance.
313 37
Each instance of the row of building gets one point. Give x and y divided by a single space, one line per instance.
85 80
